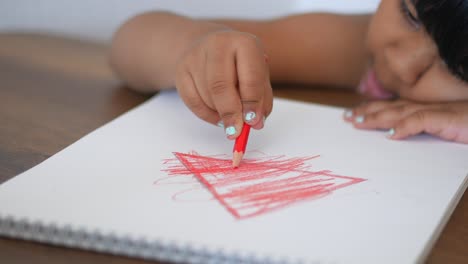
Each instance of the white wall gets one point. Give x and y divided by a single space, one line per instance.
98 19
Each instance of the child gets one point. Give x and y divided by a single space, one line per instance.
410 55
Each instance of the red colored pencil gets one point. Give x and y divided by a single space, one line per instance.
240 145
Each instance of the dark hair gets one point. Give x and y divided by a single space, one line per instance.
447 22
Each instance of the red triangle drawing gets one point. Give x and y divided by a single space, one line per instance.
260 185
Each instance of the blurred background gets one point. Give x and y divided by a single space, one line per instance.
97 20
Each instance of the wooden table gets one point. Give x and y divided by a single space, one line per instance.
53 91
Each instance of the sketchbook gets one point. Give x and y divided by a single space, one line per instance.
156 183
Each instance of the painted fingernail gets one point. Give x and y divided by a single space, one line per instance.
391 132
250 116
230 130
220 124
359 119
348 113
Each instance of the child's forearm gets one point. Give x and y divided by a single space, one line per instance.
309 48
314 48
145 50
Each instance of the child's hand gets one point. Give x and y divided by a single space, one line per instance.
224 77
404 118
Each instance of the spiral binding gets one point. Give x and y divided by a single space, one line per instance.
123 245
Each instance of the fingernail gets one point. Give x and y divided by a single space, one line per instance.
230 130
359 119
348 113
220 124
391 132
250 116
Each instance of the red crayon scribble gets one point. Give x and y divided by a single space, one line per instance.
258 185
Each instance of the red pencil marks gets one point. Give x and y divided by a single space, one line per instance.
258 185
190 194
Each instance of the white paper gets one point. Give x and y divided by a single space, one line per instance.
105 181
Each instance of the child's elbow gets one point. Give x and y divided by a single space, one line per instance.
125 56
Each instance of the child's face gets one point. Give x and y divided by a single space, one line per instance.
405 58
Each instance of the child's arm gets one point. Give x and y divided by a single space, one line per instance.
315 48
311 48
219 69
146 49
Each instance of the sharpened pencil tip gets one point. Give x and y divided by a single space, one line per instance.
236 160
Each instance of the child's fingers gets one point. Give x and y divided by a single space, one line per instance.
368 108
385 118
434 122
187 91
268 100
221 81
253 80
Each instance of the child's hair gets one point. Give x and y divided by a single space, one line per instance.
447 22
